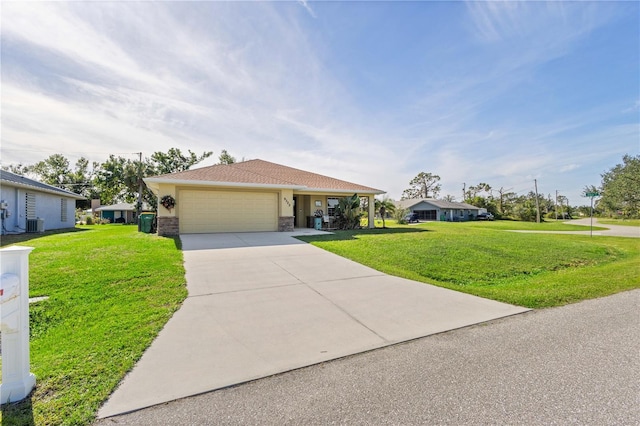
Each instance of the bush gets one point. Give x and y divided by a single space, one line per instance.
89 220
399 215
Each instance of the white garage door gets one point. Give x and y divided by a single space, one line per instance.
223 211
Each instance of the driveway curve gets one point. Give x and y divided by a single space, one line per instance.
611 231
265 303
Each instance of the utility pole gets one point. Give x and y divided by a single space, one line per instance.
535 182
556 208
464 188
139 205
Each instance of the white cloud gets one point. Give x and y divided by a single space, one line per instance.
253 79
305 4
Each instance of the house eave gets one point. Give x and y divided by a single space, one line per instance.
45 190
344 191
154 184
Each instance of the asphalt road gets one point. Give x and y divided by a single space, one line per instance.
578 364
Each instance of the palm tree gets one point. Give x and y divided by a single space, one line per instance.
385 206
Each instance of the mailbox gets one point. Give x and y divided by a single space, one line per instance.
17 381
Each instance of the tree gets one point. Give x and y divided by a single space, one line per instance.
118 178
385 206
53 170
17 169
480 196
621 187
115 180
449 198
348 212
226 158
56 171
421 185
174 161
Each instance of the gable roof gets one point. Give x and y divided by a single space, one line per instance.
441 204
260 173
117 207
11 179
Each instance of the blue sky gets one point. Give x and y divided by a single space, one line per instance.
370 92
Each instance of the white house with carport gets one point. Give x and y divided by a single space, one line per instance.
441 210
27 205
248 196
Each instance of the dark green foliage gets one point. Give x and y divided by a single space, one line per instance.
621 188
348 212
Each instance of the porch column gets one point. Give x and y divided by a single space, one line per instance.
372 211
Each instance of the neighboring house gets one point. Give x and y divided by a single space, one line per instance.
249 196
431 209
32 206
118 213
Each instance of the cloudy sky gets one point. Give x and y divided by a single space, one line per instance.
370 92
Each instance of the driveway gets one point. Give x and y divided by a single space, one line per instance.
573 365
611 231
266 303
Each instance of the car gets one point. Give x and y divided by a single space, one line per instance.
484 216
412 217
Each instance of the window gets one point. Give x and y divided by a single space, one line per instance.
63 209
331 206
426 214
31 205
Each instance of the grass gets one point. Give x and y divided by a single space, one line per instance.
532 270
111 290
624 222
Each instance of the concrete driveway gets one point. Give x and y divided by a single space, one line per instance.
265 303
611 231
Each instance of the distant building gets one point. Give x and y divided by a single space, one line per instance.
432 209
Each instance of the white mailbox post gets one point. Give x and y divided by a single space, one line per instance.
17 381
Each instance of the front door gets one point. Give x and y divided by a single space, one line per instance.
295 212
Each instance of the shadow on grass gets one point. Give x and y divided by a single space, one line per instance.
9 239
18 413
177 241
353 234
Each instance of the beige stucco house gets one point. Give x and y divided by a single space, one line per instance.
249 196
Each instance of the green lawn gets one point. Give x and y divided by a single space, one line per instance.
111 290
623 222
481 258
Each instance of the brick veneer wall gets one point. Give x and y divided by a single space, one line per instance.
168 226
285 224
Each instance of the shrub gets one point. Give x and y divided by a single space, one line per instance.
399 215
89 220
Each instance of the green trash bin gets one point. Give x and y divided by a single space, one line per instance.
146 222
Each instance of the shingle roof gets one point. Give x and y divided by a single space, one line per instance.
11 179
438 203
117 207
262 172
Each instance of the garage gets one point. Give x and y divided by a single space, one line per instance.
203 211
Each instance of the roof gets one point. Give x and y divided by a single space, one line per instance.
441 204
261 173
117 207
11 179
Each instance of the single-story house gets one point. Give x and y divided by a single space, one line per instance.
249 196
27 205
432 209
118 213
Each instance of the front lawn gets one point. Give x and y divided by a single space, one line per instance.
111 290
623 222
480 258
